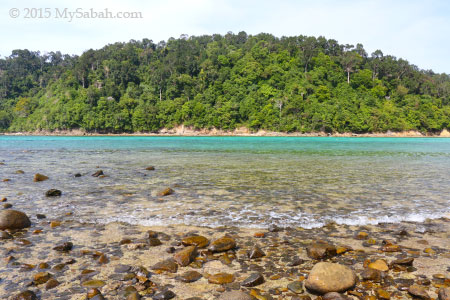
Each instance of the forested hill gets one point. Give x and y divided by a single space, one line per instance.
301 83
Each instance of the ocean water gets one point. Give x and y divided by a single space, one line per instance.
238 181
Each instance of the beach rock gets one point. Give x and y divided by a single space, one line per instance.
371 274
41 216
235 295
133 296
98 173
197 240
444 293
379 265
77 175
221 278
321 250
253 280
334 296
65 247
51 283
94 283
330 277
165 192
255 252
418 291
41 277
153 242
185 256
295 287
403 261
150 168
168 265
7 205
25 295
382 294
274 228
39 177
4 235
53 193
13 219
222 244
189 276
20 172
165 295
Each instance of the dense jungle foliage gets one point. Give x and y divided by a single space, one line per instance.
300 83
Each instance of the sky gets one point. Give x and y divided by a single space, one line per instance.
415 30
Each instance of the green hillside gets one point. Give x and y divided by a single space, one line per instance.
301 84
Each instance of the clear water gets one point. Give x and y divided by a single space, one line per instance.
241 181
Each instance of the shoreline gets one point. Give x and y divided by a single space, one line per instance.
244 132
119 258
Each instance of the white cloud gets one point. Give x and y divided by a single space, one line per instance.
414 30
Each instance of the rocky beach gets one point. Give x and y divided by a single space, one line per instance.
60 258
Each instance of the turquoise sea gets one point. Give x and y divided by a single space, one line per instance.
241 181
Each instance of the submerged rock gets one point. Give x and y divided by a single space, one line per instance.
255 252
150 168
222 244
67 246
253 280
221 278
379 265
330 277
444 293
168 265
189 276
165 295
418 292
165 192
98 173
25 295
321 250
185 256
39 177
13 219
53 193
196 240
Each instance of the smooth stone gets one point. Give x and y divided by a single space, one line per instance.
39 177
330 277
153 242
418 292
256 252
41 277
53 193
168 265
197 240
189 276
5 236
94 283
150 168
321 250
134 296
403 261
7 205
444 293
164 295
379 265
185 256
295 262
13 219
65 247
25 295
334 296
253 280
98 173
382 294
20 172
52 283
122 269
235 295
41 216
371 274
222 244
221 278
295 287
77 175
165 192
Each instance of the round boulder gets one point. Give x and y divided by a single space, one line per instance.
328 277
13 219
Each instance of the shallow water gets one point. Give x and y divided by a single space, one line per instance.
242 181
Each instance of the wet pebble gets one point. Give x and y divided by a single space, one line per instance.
253 280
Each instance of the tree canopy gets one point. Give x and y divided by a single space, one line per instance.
300 83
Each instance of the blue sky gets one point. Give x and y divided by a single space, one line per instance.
418 31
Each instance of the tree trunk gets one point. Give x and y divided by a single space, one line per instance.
348 77
160 94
